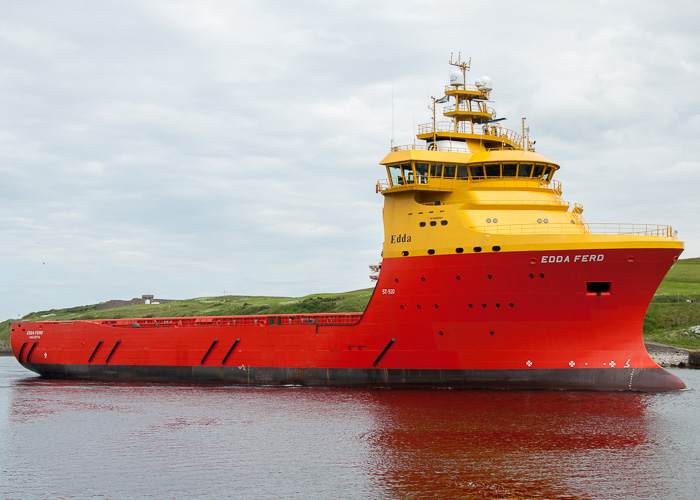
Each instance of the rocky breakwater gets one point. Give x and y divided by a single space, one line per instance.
666 355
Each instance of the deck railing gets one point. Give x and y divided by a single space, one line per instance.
441 184
466 128
596 228
464 107
425 147
469 87
271 319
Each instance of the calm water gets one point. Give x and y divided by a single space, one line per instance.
84 440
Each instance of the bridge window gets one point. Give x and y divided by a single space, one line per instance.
395 175
407 173
422 172
525 170
493 170
537 171
419 173
510 169
462 172
548 172
476 171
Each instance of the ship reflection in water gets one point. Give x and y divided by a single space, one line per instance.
64 439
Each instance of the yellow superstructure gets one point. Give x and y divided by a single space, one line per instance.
477 187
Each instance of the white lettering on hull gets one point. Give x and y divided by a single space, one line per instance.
563 259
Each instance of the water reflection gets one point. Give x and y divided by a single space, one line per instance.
508 444
69 438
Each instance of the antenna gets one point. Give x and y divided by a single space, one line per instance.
392 109
526 136
432 108
463 65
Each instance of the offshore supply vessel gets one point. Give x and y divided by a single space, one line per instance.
488 279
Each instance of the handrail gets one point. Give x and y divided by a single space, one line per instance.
469 88
259 320
596 228
502 182
425 147
465 128
553 203
464 107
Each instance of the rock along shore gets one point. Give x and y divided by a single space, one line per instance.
666 355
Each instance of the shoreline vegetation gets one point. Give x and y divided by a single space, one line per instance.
672 319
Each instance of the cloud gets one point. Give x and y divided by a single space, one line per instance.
184 148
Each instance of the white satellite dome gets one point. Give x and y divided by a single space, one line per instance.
484 83
457 78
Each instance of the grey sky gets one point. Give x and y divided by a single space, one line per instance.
195 148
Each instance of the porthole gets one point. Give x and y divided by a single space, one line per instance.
512 305
483 305
471 306
443 222
458 278
418 306
498 305
422 278
495 220
404 253
396 280
477 249
541 275
422 224
441 333
436 306
459 250
431 252
532 275
496 248
492 332
539 221
546 221
488 220
433 223
490 277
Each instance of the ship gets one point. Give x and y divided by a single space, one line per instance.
488 278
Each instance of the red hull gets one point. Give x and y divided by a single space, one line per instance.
507 319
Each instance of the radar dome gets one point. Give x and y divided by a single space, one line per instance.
457 78
484 83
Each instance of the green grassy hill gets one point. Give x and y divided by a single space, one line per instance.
670 318
675 309
228 305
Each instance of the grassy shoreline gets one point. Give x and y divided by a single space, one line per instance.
673 317
228 305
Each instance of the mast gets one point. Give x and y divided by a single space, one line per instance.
471 126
